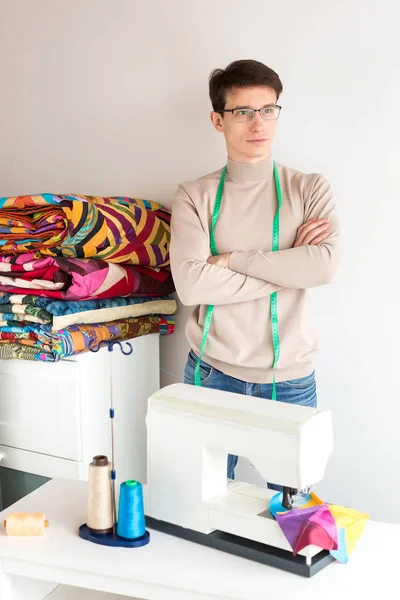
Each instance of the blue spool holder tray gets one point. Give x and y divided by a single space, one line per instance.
112 539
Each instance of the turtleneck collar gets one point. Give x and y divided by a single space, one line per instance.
245 171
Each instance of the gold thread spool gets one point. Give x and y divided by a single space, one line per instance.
100 513
23 524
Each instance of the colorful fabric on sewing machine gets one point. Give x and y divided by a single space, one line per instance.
80 279
328 526
60 314
31 342
116 229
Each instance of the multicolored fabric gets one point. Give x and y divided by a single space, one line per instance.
330 527
116 229
7 317
30 343
60 314
80 279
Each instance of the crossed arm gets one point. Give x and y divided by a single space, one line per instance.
312 261
243 276
197 281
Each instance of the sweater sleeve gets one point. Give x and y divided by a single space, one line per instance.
304 266
196 281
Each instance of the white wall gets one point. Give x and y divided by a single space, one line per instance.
110 97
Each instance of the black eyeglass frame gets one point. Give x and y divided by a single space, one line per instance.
232 110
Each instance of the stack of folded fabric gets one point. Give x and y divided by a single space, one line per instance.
78 270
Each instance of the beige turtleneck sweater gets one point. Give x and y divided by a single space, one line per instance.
239 342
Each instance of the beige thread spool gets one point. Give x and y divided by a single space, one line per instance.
22 524
100 514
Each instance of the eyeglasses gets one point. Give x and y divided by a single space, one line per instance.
269 113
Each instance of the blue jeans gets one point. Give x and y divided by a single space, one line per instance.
295 391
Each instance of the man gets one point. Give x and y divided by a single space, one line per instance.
247 266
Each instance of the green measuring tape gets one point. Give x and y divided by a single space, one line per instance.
273 297
214 251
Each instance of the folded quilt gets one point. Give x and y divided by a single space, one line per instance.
60 314
29 342
116 229
80 279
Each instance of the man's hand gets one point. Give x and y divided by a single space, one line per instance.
222 260
312 232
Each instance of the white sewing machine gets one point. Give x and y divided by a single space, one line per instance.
190 432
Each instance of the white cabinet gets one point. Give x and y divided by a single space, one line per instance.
54 417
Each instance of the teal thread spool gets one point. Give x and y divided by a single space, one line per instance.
131 521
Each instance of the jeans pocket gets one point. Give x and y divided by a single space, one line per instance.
206 370
302 383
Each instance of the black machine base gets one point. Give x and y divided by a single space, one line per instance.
262 553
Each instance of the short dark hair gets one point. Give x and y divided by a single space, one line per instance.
240 74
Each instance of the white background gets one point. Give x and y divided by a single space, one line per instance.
111 97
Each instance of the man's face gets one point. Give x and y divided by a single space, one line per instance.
247 141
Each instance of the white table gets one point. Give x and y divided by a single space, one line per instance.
170 568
